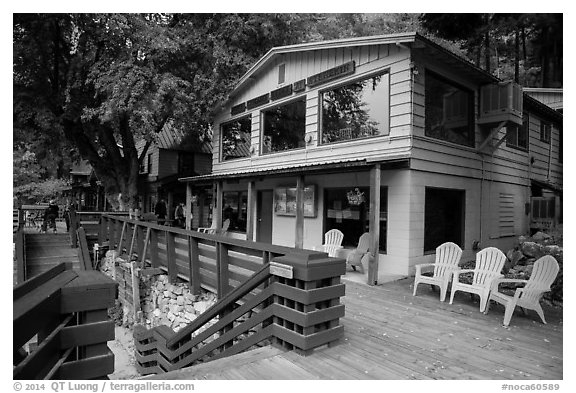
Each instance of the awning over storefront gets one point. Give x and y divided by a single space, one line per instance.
332 167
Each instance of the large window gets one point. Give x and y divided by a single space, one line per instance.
443 217
236 138
449 111
356 110
234 208
517 136
284 127
353 218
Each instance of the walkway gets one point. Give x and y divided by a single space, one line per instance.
391 335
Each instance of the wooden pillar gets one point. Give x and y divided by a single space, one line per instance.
299 236
251 210
217 213
188 206
375 180
170 207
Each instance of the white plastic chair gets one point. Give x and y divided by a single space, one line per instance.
332 242
489 264
354 259
543 275
447 258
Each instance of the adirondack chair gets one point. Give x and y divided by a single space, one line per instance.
225 226
447 257
210 229
332 242
543 275
489 264
213 228
354 259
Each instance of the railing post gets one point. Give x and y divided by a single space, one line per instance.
20 268
194 265
222 269
154 248
73 228
307 294
171 257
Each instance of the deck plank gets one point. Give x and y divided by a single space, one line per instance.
389 334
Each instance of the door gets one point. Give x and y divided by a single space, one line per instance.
264 216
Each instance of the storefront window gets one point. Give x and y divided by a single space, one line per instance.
345 211
357 110
235 205
236 138
449 111
284 127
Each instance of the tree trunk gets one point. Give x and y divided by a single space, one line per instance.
487 51
517 56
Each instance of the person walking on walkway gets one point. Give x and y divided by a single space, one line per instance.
160 210
50 216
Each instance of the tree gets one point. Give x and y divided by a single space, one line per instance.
107 81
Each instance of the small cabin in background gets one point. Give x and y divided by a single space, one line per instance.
392 135
86 192
170 156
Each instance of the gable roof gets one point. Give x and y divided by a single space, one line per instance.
171 138
415 41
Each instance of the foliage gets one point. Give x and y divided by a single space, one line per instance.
524 47
25 168
40 190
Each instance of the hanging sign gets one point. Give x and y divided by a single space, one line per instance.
281 92
236 109
260 100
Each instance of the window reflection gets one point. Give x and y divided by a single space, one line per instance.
236 138
448 111
356 110
284 127
235 209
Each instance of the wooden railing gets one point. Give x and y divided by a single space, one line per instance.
267 293
90 221
300 313
213 262
61 325
20 256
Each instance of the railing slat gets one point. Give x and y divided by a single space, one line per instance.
194 265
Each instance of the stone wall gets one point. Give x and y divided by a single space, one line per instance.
161 302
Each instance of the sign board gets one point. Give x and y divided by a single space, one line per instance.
331 74
281 270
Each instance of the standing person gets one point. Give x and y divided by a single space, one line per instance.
51 215
160 210
179 215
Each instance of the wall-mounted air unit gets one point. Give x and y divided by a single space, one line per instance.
501 102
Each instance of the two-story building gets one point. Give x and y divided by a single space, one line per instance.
392 135
170 156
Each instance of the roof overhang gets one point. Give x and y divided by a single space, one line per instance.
546 185
322 168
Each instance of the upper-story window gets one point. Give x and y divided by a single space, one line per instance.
236 138
449 111
284 127
517 136
356 110
545 131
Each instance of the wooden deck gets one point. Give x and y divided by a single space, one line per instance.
389 334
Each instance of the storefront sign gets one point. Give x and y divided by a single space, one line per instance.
299 86
236 109
281 92
281 270
261 100
331 74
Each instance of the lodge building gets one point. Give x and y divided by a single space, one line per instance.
392 135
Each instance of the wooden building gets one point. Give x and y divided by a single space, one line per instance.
86 192
392 135
170 156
